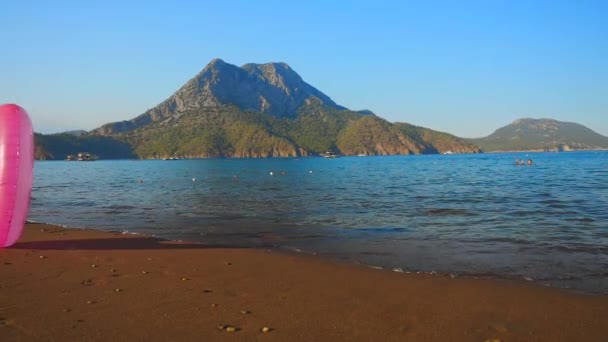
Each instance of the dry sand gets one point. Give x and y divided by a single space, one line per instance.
83 285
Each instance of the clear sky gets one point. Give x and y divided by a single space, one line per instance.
464 67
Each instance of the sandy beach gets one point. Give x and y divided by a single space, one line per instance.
83 285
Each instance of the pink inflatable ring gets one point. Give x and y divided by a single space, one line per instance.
16 171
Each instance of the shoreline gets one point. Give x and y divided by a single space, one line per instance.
309 253
82 284
543 151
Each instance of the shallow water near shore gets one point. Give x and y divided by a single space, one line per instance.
472 215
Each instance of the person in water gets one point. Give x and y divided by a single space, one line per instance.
529 162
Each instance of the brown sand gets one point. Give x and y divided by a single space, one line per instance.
84 285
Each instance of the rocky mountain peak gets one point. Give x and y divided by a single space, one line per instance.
270 88
216 61
279 75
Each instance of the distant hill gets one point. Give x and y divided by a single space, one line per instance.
258 110
541 135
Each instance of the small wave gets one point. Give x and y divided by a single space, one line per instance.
370 253
580 248
80 203
582 219
126 232
385 230
556 204
448 212
120 207
599 274
270 189
308 236
45 187
542 213
512 240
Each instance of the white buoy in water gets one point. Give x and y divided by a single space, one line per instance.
271 173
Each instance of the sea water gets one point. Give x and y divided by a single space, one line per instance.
465 215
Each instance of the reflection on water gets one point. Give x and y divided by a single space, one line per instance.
458 214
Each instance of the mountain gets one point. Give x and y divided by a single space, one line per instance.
542 135
258 110
272 88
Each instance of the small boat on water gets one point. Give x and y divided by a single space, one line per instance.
330 154
82 156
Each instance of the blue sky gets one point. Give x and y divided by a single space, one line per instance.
464 67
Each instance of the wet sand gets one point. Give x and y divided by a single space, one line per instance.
84 285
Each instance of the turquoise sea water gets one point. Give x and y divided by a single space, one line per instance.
466 215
